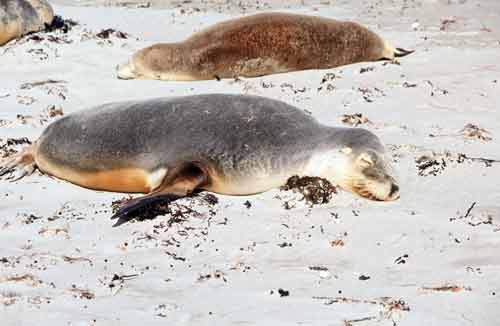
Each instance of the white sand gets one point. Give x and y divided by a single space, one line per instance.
58 240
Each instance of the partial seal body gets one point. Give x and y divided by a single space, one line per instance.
228 144
20 17
257 45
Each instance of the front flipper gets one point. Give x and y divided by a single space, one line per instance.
178 183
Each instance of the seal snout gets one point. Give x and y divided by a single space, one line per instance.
372 177
125 71
394 192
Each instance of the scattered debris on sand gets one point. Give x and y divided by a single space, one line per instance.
72 260
436 163
176 211
447 22
337 243
8 298
12 145
392 62
487 161
469 131
401 259
480 215
327 82
217 275
46 116
391 309
60 24
369 94
49 86
26 278
431 164
355 119
263 84
82 293
292 88
366 69
25 100
436 90
409 85
117 282
30 85
106 33
105 36
447 288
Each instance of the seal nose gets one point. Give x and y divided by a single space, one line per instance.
394 193
125 71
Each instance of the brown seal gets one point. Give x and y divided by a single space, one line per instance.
20 17
259 45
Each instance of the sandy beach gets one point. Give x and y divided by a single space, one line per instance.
430 258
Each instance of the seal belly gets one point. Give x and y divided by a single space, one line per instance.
241 185
131 180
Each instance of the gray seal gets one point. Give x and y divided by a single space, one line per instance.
20 17
258 45
227 144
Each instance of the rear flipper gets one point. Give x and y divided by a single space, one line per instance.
132 208
179 183
399 52
18 166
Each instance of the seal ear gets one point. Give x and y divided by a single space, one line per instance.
365 160
346 150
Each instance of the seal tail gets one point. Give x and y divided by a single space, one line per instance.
399 52
19 166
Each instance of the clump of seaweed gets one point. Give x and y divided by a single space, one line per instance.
60 24
314 190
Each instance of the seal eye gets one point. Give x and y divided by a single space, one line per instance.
366 160
346 150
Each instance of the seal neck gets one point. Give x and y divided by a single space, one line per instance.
327 159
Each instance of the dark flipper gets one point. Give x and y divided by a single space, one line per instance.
402 52
126 212
181 181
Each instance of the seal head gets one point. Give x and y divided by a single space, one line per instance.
357 163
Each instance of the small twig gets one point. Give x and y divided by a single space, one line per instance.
445 135
332 300
469 210
174 256
447 288
128 277
75 259
40 83
486 161
350 322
